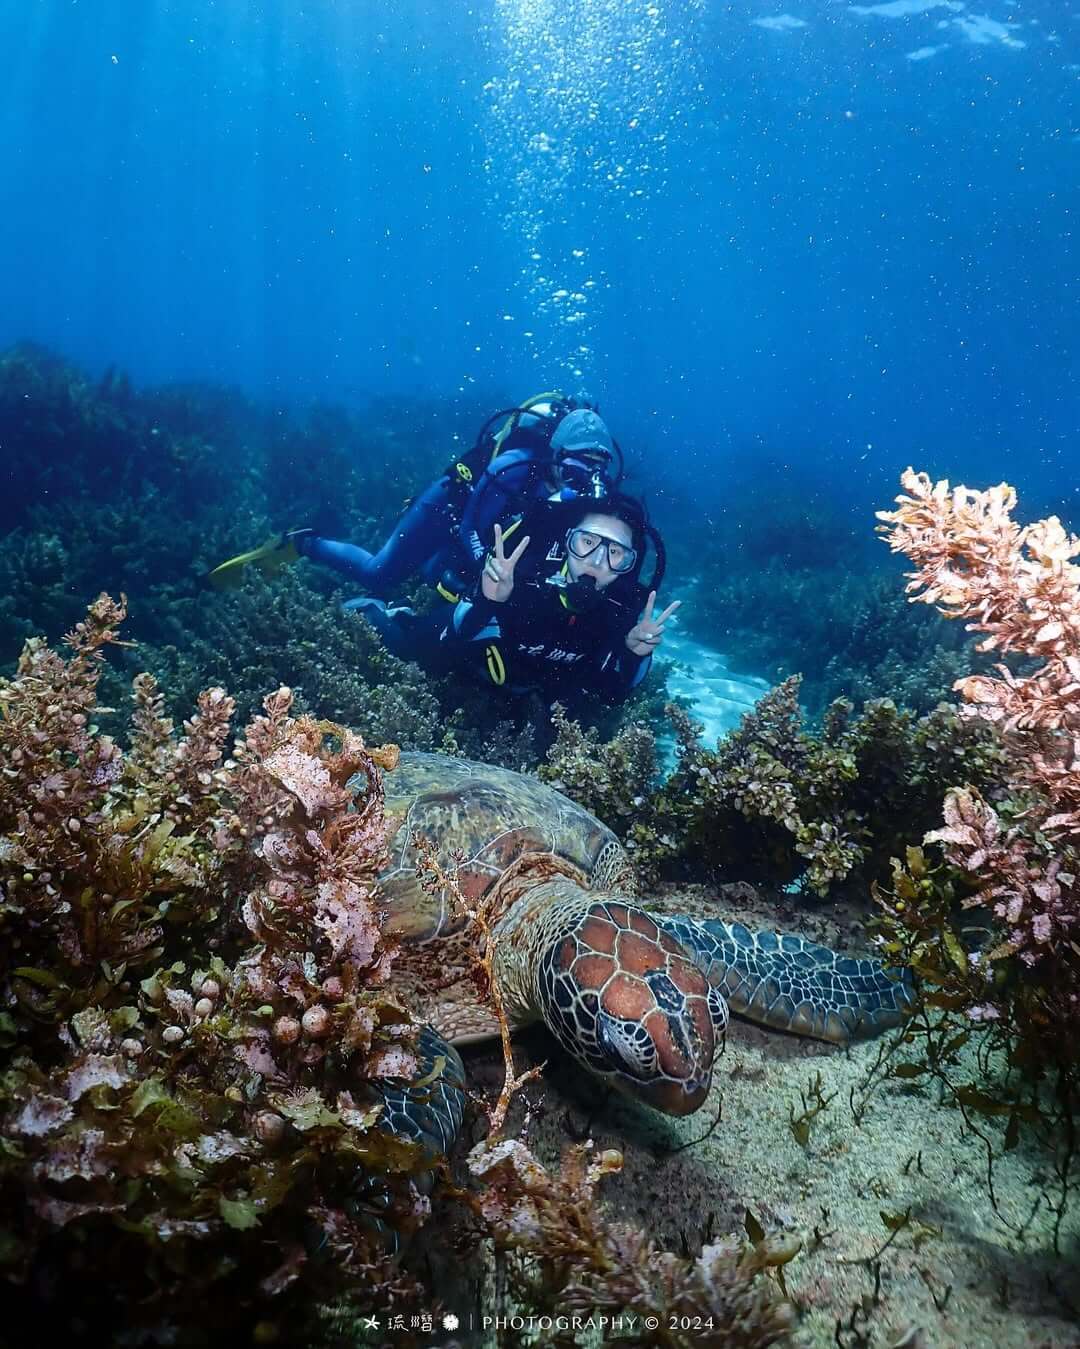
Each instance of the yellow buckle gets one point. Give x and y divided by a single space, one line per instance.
495 666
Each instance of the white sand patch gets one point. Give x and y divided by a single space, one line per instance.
718 698
956 1278
925 53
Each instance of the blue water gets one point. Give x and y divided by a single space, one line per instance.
837 237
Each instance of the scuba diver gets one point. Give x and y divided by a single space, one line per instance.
564 613
550 447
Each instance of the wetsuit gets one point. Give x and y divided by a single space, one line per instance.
535 640
532 641
512 482
420 541
437 535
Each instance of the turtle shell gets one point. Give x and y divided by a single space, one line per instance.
489 818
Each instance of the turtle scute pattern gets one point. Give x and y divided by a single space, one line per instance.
492 816
430 1115
621 996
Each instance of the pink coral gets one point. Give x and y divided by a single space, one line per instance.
1019 586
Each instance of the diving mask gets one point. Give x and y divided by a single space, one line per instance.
583 543
585 473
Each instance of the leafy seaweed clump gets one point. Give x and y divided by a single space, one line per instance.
198 1025
196 1015
565 1260
772 802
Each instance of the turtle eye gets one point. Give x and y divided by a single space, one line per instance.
628 1045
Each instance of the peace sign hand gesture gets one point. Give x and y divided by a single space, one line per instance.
644 637
497 581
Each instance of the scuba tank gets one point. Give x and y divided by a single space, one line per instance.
468 468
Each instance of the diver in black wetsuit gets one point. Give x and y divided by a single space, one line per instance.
550 448
564 613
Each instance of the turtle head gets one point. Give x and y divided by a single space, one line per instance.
628 1002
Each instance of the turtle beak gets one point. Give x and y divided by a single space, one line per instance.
684 1046
677 1098
678 1061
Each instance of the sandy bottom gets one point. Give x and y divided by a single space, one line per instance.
701 676
967 1282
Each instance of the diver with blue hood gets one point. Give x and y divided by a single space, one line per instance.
560 608
551 448
553 455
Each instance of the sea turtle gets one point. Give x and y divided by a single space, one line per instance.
638 998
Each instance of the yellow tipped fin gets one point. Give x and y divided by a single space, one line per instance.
269 558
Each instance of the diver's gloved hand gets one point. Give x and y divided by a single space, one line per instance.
647 634
497 578
279 550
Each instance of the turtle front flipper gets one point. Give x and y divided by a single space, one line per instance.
428 1110
793 984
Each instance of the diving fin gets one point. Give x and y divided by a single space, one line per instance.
278 551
